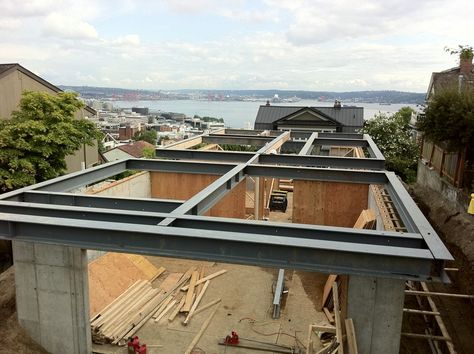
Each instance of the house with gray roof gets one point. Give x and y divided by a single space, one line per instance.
323 119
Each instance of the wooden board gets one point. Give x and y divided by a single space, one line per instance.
183 186
328 203
109 276
170 281
143 264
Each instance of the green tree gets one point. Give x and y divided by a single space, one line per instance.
148 152
38 137
149 136
449 118
392 135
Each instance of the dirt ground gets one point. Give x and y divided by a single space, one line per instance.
456 229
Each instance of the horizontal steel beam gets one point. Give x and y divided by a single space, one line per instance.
205 155
341 142
341 135
413 218
73 180
95 201
237 140
229 247
323 161
300 231
275 159
317 174
82 213
179 166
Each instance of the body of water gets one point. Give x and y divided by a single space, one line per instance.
238 114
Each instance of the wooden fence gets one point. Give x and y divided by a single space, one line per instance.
449 165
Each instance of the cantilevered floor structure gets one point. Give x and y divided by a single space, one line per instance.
206 201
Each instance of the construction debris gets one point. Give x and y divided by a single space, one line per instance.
122 318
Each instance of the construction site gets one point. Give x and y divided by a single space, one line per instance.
237 241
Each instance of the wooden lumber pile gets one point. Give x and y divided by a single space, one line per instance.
141 302
127 269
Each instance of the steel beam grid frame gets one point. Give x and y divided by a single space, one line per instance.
46 213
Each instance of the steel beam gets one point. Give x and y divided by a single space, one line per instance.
413 218
205 155
319 232
95 201
373 148
301 231
323 161
229 247
82 213
73 180
308 146
237 140
210 168
317 174
341 142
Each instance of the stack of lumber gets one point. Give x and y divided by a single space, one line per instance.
113 273
177 294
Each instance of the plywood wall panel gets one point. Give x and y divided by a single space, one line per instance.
183 186
328 203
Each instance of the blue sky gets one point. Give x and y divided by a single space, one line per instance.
337 45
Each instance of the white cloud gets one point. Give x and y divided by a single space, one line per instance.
295 44
64 26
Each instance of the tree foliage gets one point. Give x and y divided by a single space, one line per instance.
392 135
449 118
36 140
149 152
149 136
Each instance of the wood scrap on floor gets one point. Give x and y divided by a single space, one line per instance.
367 220
142 302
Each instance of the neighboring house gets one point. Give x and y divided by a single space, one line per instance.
14 79
323 119
445 171
134 150
459 76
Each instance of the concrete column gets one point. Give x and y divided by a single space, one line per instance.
52 296
376 307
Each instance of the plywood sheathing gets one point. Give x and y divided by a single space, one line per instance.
328 203
111 274
182 186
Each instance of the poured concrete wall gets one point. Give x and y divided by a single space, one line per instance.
376 307
135 186
52 296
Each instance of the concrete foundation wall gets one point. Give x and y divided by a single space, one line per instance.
430 178
376 307
135 186
52 296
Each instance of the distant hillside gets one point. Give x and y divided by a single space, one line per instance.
385 96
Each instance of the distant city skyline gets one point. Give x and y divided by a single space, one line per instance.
213 44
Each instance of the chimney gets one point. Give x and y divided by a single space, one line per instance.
268 103
465 65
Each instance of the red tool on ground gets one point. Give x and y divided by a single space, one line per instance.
134 346
233 339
